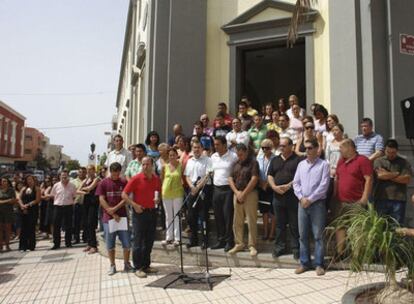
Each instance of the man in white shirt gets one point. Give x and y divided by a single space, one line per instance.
222 165
294 100
197 174
119 155
63 194
286 131
237 135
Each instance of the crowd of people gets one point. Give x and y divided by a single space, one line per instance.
298 170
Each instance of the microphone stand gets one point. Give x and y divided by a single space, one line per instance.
183 276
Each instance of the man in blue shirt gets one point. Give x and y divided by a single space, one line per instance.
311 184
369 143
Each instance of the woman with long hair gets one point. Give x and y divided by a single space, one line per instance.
29 204
321 114
151 144
172 196
308 134
331 121
90 208
7 200
17 226
43 227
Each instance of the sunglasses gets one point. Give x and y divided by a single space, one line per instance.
309 148
265 148
282 146
309 127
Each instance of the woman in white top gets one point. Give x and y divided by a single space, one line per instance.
332 152
328 136
321 114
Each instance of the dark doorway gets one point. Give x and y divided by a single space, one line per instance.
270 73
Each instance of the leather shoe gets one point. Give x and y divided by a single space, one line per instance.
191 244
320 271
218 245
228 247
54 247
276 254
301 269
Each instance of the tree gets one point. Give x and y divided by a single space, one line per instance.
301 7
72 164
41 162
102 159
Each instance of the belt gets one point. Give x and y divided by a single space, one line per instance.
149 209
224 187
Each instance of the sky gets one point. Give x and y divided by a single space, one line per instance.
59 67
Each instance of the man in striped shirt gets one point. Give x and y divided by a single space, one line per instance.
369 143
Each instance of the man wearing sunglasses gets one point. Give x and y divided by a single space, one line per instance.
311 184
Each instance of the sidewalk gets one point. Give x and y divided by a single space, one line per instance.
71 276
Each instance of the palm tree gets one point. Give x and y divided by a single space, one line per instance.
301 7
371 239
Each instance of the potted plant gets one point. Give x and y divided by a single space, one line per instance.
372 239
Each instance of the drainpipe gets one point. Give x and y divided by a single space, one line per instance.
390 69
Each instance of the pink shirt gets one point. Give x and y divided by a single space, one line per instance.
63 195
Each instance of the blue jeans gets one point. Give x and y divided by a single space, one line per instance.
393 208
110 238
313 217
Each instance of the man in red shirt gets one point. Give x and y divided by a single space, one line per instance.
145 188
353 183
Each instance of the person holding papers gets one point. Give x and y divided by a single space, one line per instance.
145 187
114 215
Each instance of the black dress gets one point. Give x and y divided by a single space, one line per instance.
29 220
90 215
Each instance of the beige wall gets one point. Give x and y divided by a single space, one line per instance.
220 12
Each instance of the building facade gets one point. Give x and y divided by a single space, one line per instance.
182 57
11 134
34 143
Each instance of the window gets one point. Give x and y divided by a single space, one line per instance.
28 137
27 151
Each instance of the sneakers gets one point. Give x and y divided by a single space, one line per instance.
301 269
150 270
141 274
253 251
128 268
320 271
112 270
236 249
176 243
166 242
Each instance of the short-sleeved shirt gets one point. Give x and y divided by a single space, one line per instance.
228 119
134 167
289 133
63 195
112 191
79 197
123 157
198 167
144 189
241 137
221 131
369 145
222 166
387 189
243 171
246 122
283 170
258 135
351 177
